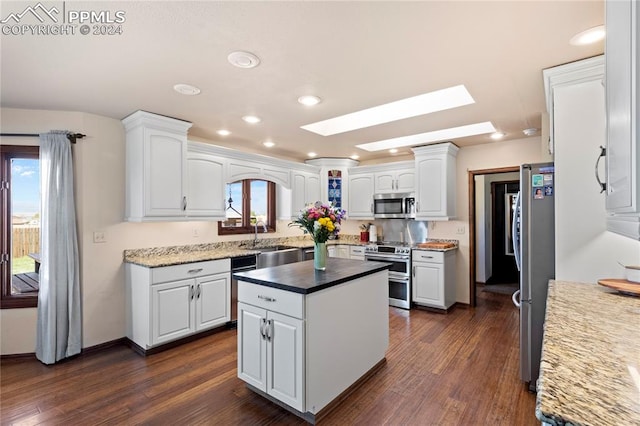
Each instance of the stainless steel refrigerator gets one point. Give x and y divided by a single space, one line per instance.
534 249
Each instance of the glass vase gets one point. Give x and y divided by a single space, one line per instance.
320 256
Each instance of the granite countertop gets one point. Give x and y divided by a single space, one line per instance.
301 277
590 368
177 255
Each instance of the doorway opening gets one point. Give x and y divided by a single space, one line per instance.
491 260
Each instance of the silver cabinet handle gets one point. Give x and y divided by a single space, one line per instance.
269 329
417 206
371 208
263 333
603 185
198 292
194 271
184 202
191 292
413 271
266 298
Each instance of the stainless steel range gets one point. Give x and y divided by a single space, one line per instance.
399 256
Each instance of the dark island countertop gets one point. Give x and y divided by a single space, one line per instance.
302 278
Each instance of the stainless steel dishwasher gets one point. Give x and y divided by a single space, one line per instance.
239 264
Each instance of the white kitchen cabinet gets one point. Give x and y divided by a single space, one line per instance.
433 278
360 196
243 167
171 302
356 252
338 250
305 189
205 197
436 181
622 155
270 344
156 149
392 181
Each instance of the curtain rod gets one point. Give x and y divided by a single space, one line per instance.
72 136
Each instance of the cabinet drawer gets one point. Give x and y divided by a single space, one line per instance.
357 251
189 270
272 299
428 256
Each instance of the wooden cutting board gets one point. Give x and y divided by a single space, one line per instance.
436 245
624 286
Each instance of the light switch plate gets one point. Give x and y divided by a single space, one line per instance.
99 237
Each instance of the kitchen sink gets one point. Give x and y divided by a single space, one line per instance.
278 255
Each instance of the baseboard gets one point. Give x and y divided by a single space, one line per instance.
85 351
146 352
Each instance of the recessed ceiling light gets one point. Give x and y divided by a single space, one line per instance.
589 36
268 144
393 150
439 100
355 157
186 89
530 131
251 119
311 154
223 132
309 100
242 59
497 136
436 135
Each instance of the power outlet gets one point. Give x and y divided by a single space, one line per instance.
99 237
460 230
195 233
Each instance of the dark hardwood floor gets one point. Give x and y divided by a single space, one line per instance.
454 369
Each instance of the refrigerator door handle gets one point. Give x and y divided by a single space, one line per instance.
514 232
515 298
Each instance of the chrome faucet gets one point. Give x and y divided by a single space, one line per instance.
264 227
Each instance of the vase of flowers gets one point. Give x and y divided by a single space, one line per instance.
321 221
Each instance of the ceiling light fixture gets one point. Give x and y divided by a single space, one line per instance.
590 36
354 157
497 136
530 131
439 100
393 150
311 154
251 119
434 136
309 100
268 144
186 89
242 59
223 132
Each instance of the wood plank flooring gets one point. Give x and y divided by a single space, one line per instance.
454 369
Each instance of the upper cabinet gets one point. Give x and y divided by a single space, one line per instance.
435 167
399 180
305 189
205 184
156 149
360 205
623 116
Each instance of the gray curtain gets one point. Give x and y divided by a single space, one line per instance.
59 333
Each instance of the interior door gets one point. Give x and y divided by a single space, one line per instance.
503 263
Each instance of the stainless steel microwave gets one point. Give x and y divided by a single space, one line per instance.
400 205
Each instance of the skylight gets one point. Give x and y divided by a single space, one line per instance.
434 136
427 103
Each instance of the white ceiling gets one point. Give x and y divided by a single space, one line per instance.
354 55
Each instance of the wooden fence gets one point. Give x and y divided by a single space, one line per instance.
25 240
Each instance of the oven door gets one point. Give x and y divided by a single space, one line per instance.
399 293
400 264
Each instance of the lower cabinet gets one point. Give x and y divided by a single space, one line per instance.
339 250
172 302
356 252
271 353
433 275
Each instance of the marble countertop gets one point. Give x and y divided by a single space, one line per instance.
590 368
301 277
177 255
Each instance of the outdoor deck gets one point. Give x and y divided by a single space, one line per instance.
25 283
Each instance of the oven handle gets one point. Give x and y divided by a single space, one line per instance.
385 258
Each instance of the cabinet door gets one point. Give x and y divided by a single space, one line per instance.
252 347
172 310
298 195
285 359
205 186
332 251
361 196
385 182
430 196
428 284
213 301
313 188
342 252
405 181
621 156
164 159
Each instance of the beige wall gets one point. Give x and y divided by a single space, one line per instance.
100 188
479 157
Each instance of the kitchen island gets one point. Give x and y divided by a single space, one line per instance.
308 338
590 368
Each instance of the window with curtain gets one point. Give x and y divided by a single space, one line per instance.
20 209
250 202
